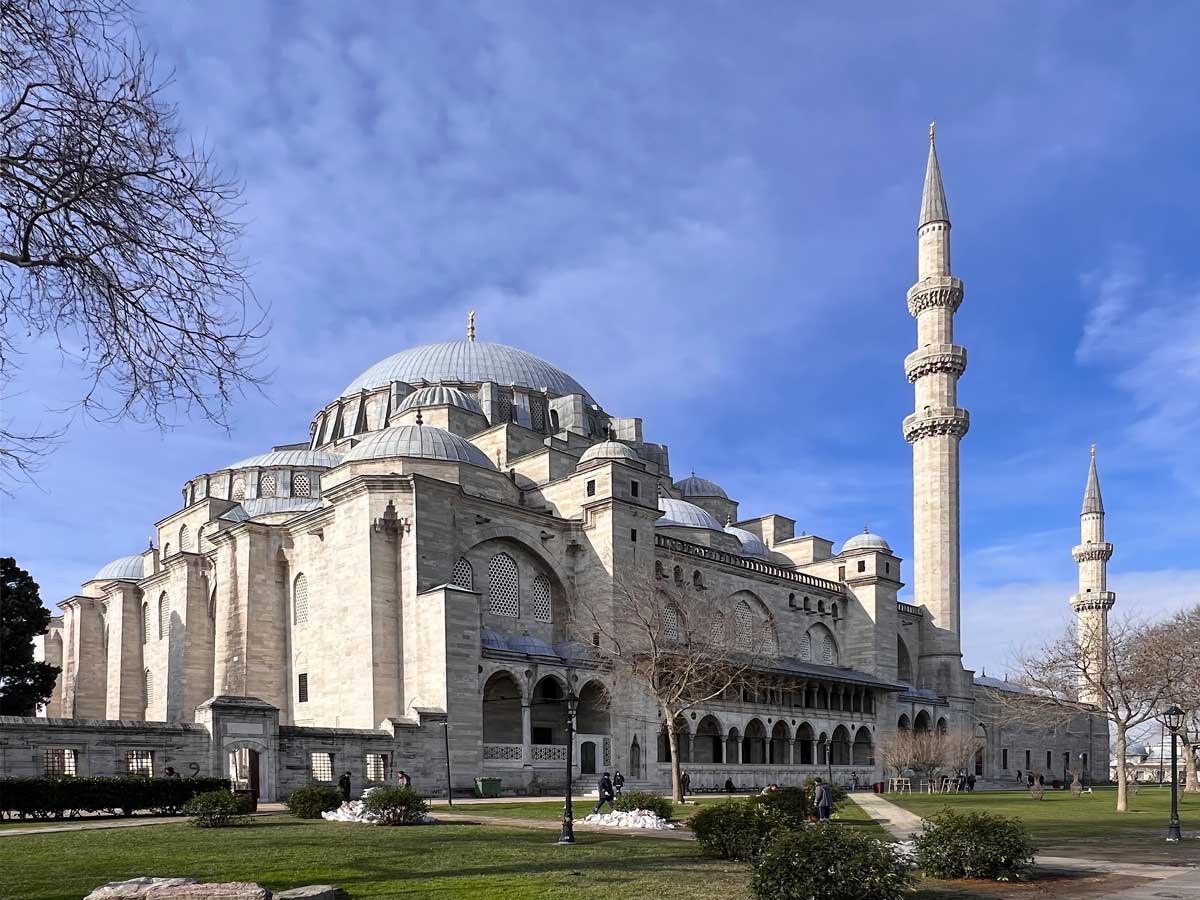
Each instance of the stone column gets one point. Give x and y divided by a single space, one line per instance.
526 733
791 760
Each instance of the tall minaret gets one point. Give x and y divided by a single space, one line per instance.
1094 600
934 430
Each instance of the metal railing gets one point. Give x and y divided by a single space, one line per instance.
753 565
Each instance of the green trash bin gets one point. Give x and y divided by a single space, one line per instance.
487 787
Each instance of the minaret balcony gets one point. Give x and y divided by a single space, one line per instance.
1101 550
936 291
929 422
1098 600
934 358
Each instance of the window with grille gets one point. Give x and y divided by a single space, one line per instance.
542 607
463 575
377 767
140 762
266 486
301 486
504 410
806 647
537 414
59 762
671 622
321 766
718 629
770 639
743 626
185 538
503 586
239 489
302 688
164 615
145 622
828 652
300 599
591 488
148 683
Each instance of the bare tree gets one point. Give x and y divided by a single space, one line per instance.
1184 629
675 644
116 234
1125 672
895 752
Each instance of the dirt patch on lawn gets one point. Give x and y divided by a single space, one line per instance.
1059 885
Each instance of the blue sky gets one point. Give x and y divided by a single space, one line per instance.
706 214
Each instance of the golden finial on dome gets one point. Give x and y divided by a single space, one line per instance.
471 325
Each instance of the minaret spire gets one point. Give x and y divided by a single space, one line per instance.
934 430
1092 501
1094 599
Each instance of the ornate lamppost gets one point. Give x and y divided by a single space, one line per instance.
1173 719
568 824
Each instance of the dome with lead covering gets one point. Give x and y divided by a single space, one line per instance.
440 395
419 442
752 545
471 362
127 568
867 540
695 486
685 515
267 506
527 643
608 450
491 639
317 459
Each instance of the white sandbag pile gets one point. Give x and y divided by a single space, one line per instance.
905 852
637 818
355 811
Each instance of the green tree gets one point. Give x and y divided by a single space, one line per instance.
24 682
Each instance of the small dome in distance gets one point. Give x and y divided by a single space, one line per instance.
695 486
440 395
608 450
126 568
751 544
527 643
867 540
685 515
418 442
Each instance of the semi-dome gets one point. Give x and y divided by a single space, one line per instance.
266 506
441 395
752 544
685 515
471 362
491 639
317 459
527 643
695 486
866 540
608 450
127 568
420 442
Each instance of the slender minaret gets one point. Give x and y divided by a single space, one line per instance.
1094 600
934 430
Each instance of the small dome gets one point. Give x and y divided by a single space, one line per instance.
684 514
867 540
608 450
318 459
575 650
265 506
695 486
441 395
419 442
527 643
752 545
491 639
127 568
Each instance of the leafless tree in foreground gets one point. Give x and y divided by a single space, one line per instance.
1184 628
674 642
1129 673
116 236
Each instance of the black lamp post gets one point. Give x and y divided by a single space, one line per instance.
829 762
1173 719
568 824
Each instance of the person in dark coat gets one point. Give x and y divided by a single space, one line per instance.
823 800
685 784
344 786
970 784
604 792
403 779
729 788
618 782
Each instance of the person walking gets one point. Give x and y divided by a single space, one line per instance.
970 784
403 779
344 786
618 782
685 784
823 801
604 792
729 787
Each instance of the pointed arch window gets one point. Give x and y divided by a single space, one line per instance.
239 489
148 684
301 485
463 575
717 632
670 621
266 486
770 639
185 538
743 626
828 651
146 620
164 615
806 647
300 599
504 587
542 604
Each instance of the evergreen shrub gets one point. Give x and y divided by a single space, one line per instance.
632 800
216 809
311 800
736 829
68 797
396 805
829 862
974 845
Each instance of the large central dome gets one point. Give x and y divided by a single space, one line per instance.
467 361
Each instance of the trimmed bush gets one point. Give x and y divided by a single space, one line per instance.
830 862
396 805
810 790
792 804
57 798
974 845
660 806
216 809
736 829
310 801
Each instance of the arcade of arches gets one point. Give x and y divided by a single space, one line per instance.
770 742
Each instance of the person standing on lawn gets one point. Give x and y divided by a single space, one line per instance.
618 782
344 786
685 785
823 801
604 791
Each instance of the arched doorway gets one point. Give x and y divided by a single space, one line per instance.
863 753
708 744
244 773
754 744
922 723
777 753
733 746
840 746
635 757
904 723
592 727
587 757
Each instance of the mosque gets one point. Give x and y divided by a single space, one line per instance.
415 563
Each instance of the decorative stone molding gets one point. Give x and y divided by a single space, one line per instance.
1102 600
935 358
1092 552
953 422
936 291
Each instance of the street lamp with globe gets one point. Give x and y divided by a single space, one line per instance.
568 823
1173 719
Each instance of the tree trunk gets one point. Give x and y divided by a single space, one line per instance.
1122 798
673 744
1191 782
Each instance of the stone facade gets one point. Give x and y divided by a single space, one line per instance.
414 564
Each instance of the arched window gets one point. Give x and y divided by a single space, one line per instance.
820 606
239 489
504 590
300 599
185 538
834 610
717 631
806 647
164 615
463 575
670 618
266 486
770 639
200 537
743 626
542 606
679 575
301 486
166 550
697 580
146 621
148 679
828 651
